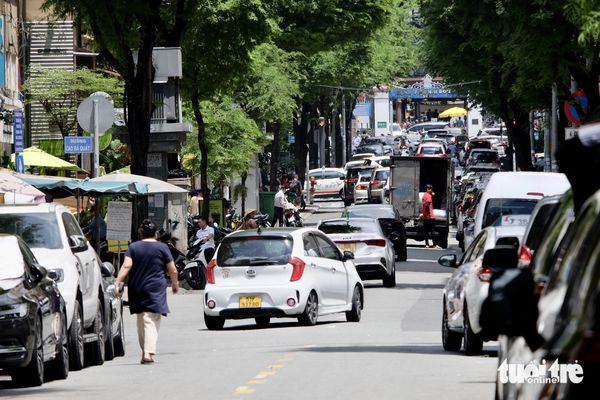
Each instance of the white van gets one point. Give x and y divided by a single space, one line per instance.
512 193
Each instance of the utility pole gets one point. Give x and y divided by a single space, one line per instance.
554 140
343 129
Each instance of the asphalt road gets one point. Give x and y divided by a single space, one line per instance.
395 352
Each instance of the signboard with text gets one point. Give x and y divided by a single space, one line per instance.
79 144
119 219
18 130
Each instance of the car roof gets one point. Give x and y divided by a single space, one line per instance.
344 219
30 208
270 232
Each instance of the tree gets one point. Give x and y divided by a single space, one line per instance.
60 92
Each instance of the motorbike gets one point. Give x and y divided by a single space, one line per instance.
192 228
194 271
292 216
262 220
178 257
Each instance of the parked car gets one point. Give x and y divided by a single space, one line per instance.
283 272
55 237
565 324
483 158
329 182
33 319
115 327
373 252
379 187
467 288
375 148
390 221
426 126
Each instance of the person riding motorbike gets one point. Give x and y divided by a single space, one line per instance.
248 222
206 235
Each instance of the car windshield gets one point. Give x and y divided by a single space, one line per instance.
254 251
496 208
375 148
37 230
347 226
11 264
486 156
371 212
431 150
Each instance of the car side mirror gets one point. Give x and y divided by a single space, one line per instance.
500 258
38 272
348 255
107 269
77 243
448 260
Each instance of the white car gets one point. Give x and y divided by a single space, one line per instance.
329 182
282 272
361 188
379 188
467 288
57 241
373 252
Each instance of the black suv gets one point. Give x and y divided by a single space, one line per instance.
350 182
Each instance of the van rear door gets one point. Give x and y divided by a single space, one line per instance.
404 188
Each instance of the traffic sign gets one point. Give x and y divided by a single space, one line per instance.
20 163
95 114
79 145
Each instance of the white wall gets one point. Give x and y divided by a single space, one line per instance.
381 105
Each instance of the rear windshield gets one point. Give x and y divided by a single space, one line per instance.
496 208
371 212
252 251
431 150
486 156
376 149
381 175
37 230
344 226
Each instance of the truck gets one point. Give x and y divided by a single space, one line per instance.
409 175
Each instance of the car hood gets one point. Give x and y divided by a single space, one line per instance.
52 258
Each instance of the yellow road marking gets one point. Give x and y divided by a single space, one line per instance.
276 366
286 359
244 390
257 381
264 374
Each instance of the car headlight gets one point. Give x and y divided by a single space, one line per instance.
56 274
10 311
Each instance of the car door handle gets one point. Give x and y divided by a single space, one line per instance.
333 270
313 265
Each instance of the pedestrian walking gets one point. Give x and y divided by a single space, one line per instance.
145 264
428 218
279 207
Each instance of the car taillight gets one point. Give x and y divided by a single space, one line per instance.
484 274
360 187
210 271
375 182
525 257
298 265
375 242
419 154
349 180
535 194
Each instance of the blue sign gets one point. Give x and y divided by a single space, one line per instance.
79 144
2 54
362 109
432 93
18 130
20 163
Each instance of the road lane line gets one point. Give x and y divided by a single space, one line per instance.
264 374
244 390
419 260
256 381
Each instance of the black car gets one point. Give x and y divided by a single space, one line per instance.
390 221
33 323
349 183
375 148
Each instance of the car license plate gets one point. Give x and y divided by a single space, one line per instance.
250 301
347 247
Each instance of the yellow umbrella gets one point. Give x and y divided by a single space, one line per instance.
34 157
453 112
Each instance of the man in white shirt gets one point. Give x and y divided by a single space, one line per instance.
280 201
206 233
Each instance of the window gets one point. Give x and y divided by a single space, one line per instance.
38 230
254 251
349 226
496 208
310 246
478 247
71 226
328 249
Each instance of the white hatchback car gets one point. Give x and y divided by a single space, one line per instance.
280 272
467 288
373 252
361 188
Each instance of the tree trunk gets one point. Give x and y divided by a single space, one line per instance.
243 182
275 127
203 156
518 132
301 142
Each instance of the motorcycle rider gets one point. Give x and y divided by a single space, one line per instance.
206 235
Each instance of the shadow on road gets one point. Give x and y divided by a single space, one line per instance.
408 349
272 325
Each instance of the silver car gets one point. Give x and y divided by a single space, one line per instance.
373 252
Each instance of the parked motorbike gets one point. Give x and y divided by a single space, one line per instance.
262 220
178 257
195 270
292 216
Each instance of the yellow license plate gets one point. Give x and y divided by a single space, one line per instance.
347 247
250 301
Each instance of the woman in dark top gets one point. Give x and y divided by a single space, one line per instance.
145 263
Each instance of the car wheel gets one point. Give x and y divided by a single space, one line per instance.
196 278
120 339
356 312
390 280
311 312
109 348
76 340
96 348
473 342
59 367
214 323
33 373
262 322
451 341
